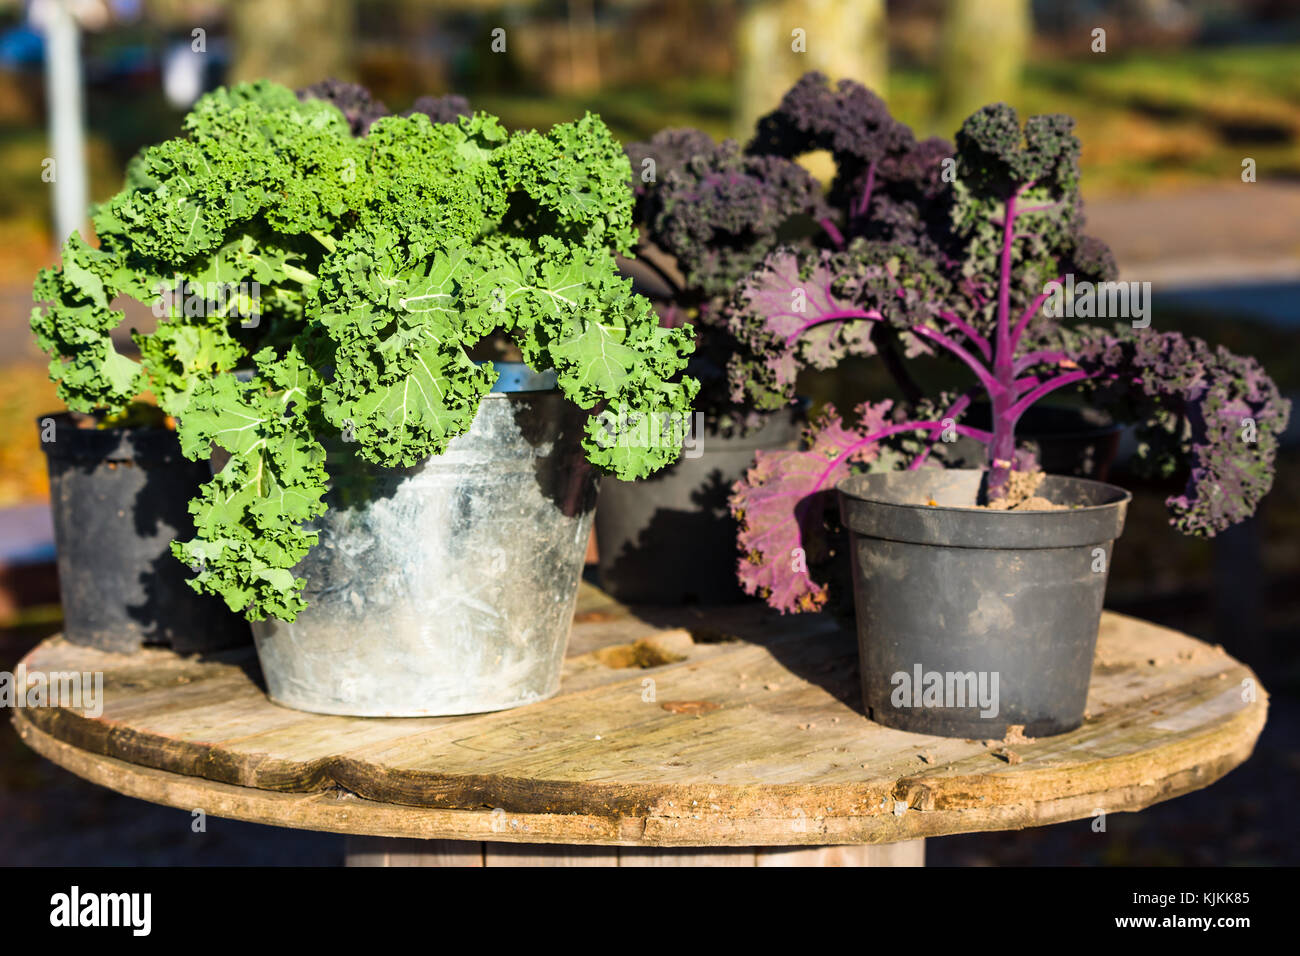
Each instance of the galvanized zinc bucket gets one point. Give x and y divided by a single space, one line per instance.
447 588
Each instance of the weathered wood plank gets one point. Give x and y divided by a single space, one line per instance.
687 856
381 851
523 854
908 853
337 811
610 734
384 851
748 735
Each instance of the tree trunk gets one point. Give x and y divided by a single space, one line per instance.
584 48
293 42
982 46
841 38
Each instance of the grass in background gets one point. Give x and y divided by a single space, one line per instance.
1157 120
1154 120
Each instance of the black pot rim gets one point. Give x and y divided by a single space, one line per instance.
867 511
139 444
1124 495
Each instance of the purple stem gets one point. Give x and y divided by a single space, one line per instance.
860 206
1030 359
1050 385
986 378
938 338
833 231
956 409
1042 208
1022 385
967 330
838 315
1003 446
885 433
920 331
1029 313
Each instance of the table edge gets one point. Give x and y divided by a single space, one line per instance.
339 811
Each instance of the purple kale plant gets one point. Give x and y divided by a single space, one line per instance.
955 252
708 214
441 109
361 109
886 181
1204 412
352 100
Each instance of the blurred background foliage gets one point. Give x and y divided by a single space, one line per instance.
1181 89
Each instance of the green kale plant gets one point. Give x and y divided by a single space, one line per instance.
379 252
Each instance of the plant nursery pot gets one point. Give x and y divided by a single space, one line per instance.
118 497
670 538
450 588
999 610
1067 440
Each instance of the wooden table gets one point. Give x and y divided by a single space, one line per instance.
681 736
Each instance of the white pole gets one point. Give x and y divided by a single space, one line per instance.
67 138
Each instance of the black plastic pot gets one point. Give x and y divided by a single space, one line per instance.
119 497
1003 602
670 538
1067 440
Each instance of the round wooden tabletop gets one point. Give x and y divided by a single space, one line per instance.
674 727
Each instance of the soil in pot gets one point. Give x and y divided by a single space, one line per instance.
971 620
670 538
119 496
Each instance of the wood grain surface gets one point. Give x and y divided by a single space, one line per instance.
674 727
